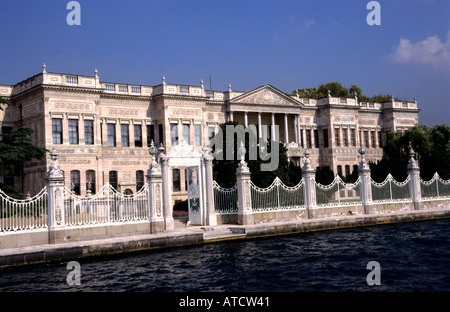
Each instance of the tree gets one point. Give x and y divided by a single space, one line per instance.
17 147
224 171
432 151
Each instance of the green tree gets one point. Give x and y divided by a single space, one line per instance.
17 147
224 171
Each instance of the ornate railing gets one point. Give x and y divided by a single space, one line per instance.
23 214
338 193
225 199
435 188
277 196
106 206
390 190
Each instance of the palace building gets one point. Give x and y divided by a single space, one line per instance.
102 130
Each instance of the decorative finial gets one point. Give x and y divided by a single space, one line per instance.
392 97
415 100
53 154
307 153
242 152
296 93
329 93
153 151
164 79
43 68
229 87
201 83
96 72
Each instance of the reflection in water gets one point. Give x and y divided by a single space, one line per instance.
413 257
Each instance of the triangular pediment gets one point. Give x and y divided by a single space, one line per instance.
266 95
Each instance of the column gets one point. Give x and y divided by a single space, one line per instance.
366 187
259 126
286 134
211 218
65 129
154 194
55 188
166 193
299 132
309 189
118 134
245 119
414 184
131 134
81 130
245 213
272 128
230 116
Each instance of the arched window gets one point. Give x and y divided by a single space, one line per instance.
113 179
90 181
75 181
139 180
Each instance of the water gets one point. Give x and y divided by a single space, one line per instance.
412 257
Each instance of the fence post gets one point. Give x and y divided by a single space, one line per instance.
166 193
414 181
245 212
154 193
309 189
366 184
55 188
211 218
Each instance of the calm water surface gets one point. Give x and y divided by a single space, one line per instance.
412 256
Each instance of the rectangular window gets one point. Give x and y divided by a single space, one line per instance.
136 90
57 130
325 137
366 138
339 170
173 134
345 137
372 138
336 136
316 138
347 170
308 138
184 90
380 140
176 180
150 135
137 135
89 132
125 135
187 133
352 137
73 131
211 132
123 89
198 135
111 129
109 87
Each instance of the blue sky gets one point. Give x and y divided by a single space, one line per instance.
246 43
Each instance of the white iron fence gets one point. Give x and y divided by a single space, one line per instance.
106 206
225 199
390 190
338 193
435 188
277 196
23 214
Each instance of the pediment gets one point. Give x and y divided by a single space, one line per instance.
266 95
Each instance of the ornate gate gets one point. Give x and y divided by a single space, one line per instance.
183 155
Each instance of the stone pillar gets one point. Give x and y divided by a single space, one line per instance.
273 128
414 184
166 193
245 213
245 119
309 189
154 194
55 189
299 132
259 126
366 186
286 129
211 218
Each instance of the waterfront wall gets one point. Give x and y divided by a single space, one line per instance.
56 215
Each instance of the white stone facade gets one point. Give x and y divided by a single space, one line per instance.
102 130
